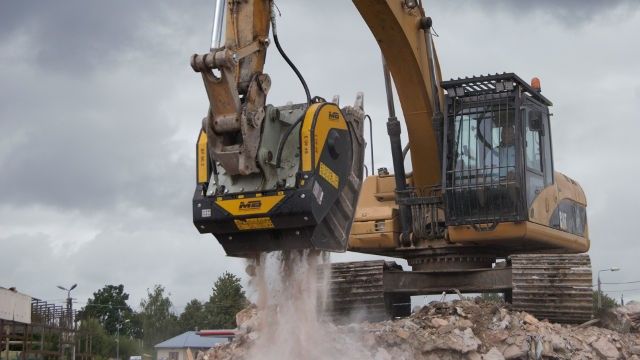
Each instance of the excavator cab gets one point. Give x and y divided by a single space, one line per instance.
500 187
498 149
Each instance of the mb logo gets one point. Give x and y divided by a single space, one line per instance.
250 205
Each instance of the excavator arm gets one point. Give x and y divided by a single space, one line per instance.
288 177
237 94
403 33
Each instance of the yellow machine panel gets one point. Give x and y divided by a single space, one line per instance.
318 121
203 168
250 206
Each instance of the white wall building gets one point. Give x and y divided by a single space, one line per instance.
15 306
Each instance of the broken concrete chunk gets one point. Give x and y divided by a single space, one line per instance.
473 355
498 336
438 322
459 341
246 315
605 349
445 329
460 312
514 352
403 333
493 354
464 323
530 319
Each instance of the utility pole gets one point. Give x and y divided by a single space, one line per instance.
118 326
118 336
69 319
600 285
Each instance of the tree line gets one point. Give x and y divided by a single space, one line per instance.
109 320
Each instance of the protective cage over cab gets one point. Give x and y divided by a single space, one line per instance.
498 149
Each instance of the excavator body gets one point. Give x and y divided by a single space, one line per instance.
500 193
482 209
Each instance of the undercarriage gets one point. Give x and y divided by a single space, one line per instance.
548 286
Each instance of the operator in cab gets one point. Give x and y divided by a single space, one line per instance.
502 162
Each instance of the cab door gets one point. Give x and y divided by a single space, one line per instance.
538 163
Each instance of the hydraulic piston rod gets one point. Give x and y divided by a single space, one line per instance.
393 129
218 22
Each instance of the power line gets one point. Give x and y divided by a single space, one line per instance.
620 283
219 305
105 305
622 291
617 283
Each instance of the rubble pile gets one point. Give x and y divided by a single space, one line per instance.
463 329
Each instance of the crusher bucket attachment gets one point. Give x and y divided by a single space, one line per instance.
305 189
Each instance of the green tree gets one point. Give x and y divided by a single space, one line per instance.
103 345
607 302
159 323
193 316
128 347
227 299
101 342
109 307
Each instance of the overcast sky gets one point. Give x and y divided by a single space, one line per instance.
99 112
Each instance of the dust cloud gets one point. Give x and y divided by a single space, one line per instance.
292 289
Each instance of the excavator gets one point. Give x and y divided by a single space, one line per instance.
482 209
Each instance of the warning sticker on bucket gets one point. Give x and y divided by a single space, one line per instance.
254 224
329 175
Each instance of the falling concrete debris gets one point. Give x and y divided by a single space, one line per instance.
469 329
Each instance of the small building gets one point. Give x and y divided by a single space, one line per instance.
15 306
177 347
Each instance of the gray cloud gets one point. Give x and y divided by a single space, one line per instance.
76 36
84 103
569 12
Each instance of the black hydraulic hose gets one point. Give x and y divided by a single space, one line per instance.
285 137
405 151
293 67
371 140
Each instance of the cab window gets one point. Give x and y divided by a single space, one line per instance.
533 141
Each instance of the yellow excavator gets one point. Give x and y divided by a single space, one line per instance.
482 209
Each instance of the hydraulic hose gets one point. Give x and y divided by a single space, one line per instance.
285 57
293 67
371 141
285 137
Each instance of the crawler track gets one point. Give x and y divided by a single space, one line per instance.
554 287
356 292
